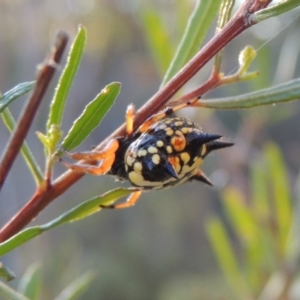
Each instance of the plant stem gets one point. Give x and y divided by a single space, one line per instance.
44 77
274 10
26 152
238 23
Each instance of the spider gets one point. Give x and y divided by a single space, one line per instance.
166 150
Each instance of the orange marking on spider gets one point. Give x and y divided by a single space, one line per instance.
178 141
167 111
174 161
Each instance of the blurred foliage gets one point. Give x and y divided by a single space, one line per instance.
31 283
262 227
158 249
196 29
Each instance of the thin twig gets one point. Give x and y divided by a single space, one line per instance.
238 23
212 83
44 77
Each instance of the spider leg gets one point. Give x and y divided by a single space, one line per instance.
200 176
129 119
101 169
131 200
165 112
107 151
107 155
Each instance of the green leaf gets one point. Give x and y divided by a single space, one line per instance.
30 284
6 273
16 92
274 10
239 215
158 38
225 13
263 213
66 79
251 235
79 212
77 287
196 29
259 190
182 11
91 116
36 172
294 249
274 95
226 257
10 294
243 223
280 193
88 207
224 16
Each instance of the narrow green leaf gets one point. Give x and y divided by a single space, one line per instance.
240 215
16 92
280 193
274 95
158 38
36 172
259 190
250 233
243 223
209 12
226 257
8 293
91 116
196 29
6 273
66 79
183 11
77 287
88 207
261 206
30 283
274 10
294 248
224 16
225 13
81 211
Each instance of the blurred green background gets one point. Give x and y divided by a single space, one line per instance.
159 248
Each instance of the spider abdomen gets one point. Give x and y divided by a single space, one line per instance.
164 151
168 153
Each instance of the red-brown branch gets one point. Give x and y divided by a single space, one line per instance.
44 77
212 83
238 23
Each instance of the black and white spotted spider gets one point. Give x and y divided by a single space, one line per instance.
166 150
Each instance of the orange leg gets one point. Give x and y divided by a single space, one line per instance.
131 200
200 176
108 150
107 155
167 111
129 119
103 168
